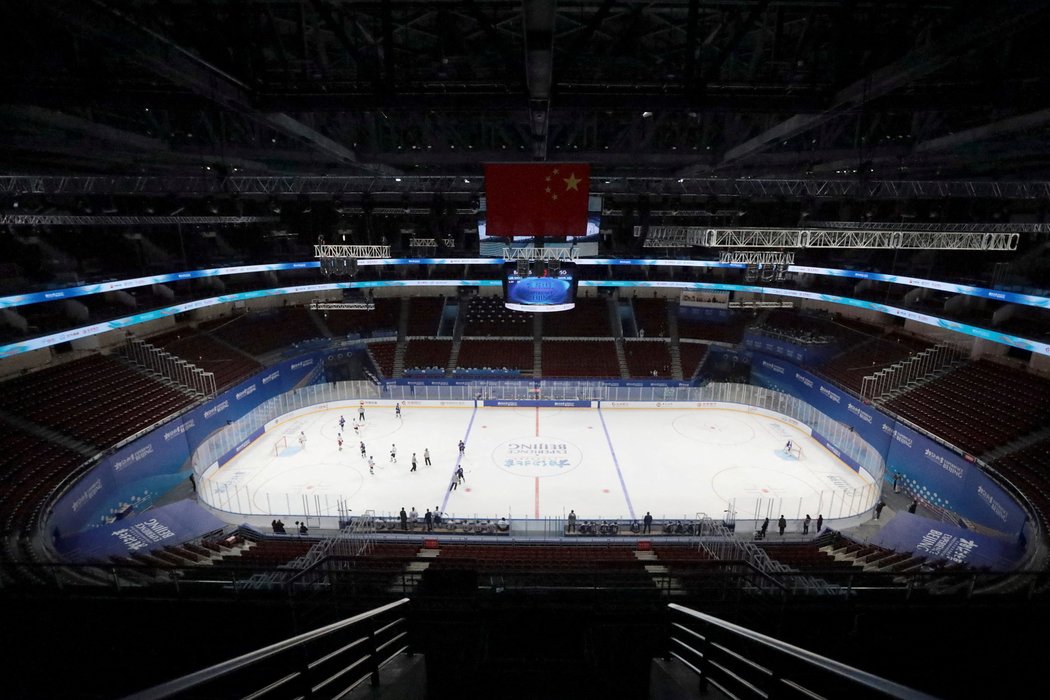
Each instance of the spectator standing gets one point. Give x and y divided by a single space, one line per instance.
572 522
820 522
647 523
782 524
404 518
805 525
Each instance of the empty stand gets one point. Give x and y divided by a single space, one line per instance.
650 316
693 356
590 318
29 468
978 406
229 366
731 332
850 367
383 354
580 358
427 354
424 315
489 316
262 332
97 400
515 355
648 358
363 323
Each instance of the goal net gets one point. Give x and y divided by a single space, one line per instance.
795 451
282 443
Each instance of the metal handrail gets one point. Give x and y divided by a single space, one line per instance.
761 678
193 681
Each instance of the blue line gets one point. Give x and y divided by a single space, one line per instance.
616 463
448 489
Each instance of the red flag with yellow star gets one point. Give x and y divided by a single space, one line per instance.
537 199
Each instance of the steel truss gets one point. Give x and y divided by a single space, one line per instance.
429 243
757 257
965 228
472 184
329 251
741 237
319 305
541 253
107 220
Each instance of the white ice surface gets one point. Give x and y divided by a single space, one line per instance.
528 462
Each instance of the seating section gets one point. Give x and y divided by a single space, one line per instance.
229 366
427 354
364 323
590 318
97 400
648 358
693 356
850 367
613 566
731 332
515 355
489 316
29 469
1029 469
424 315
262 332
383 354
583 358
978 406
650 316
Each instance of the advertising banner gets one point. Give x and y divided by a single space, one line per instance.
498 403
914 534
160 527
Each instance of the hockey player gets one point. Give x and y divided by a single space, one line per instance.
397 410
462 447
357 428
371 465
342 422
787 447
362 450
302 440
393 453
339 441
413 462
361 412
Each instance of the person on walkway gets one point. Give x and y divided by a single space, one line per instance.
429 520
805 525
426 456
413 517
413 462
764 528
896 482
878 508
782 524
820 522
647 523
572 522
914 505
404 518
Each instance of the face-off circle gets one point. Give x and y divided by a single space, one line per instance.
537 456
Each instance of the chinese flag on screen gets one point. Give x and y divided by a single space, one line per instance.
537 199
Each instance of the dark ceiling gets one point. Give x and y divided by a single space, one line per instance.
905 89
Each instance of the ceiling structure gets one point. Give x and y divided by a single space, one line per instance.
850 90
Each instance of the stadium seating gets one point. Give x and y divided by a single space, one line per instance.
427 353
583 358
489 316
650 316
259 333
731 332
693 356
515 355
978 406
98 400
424 315
29 468
850 367
364 323
229 366
648 358
589 319
1029 470
383 354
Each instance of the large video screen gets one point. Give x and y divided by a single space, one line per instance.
542 289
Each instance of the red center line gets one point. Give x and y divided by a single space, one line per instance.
537 479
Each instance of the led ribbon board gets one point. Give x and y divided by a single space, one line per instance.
116 324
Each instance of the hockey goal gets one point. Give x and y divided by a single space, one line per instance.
282 442
795 451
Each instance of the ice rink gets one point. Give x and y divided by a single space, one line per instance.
539 463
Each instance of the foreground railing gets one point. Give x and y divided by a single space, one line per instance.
325 663
742 663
